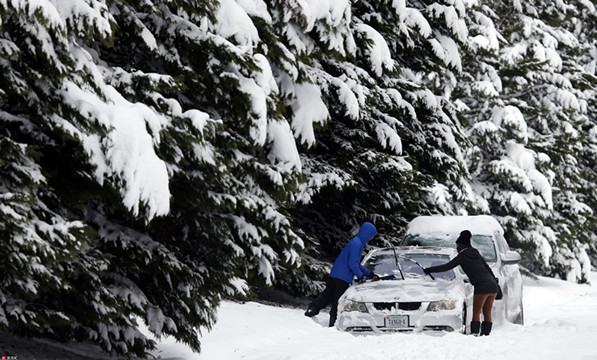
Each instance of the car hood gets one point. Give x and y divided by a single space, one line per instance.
408 290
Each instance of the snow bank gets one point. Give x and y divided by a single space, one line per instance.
561 320
560 323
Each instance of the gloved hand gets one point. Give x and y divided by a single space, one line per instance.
426 271
361 280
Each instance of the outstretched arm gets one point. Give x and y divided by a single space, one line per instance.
445 267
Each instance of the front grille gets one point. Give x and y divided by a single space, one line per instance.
407 306
384 306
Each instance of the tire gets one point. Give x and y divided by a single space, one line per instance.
464 318
520 317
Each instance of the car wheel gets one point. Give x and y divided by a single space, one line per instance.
464 318
520 317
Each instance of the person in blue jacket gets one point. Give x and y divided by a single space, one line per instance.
346 267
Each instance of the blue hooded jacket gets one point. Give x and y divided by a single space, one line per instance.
348 264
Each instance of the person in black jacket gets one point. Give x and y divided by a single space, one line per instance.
480 276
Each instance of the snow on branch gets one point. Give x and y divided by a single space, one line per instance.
127 151
234 22
388 137
283 152
308 109
83 15
378 51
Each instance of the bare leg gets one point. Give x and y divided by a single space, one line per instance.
479 304
487 307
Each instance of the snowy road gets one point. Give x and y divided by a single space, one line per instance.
561 323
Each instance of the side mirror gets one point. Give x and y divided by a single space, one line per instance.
511 258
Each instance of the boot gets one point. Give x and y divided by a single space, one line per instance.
486 328
311 311
475 326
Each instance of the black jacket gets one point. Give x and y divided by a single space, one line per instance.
475 267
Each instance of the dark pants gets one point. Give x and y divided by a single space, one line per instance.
334 288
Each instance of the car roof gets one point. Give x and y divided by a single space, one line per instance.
453 225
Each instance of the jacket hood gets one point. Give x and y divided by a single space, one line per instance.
367 232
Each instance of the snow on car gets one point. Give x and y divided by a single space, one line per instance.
488 238
404 298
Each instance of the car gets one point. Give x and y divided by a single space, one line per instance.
404 299
488 238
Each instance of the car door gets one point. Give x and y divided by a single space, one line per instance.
510 280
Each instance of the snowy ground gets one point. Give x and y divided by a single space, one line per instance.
561 323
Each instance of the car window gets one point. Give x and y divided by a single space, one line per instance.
500 244
383 263
486 247
483 243
502 240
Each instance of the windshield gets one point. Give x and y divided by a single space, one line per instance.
383 263
483 243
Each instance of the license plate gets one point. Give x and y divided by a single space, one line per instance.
396 321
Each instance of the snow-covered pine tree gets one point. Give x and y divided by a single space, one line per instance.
579 209
160 129
367 90
502 167
148 153
434 56
52 274
526 126
555 109
586 32
354 166
226 211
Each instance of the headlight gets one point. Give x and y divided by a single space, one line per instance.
442 305
354 306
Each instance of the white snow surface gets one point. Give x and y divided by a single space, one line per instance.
560 323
